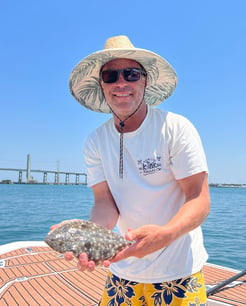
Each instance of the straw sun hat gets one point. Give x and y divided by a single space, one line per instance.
84 80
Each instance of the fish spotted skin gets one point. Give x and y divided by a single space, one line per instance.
79 236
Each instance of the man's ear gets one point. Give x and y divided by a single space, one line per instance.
100 82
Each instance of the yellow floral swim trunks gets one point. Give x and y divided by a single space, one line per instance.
190 291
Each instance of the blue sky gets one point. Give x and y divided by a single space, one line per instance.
42 41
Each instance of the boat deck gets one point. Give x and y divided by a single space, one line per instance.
37 275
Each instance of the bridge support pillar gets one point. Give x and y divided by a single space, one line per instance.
56 178
45 178
20 177
67 179
77 179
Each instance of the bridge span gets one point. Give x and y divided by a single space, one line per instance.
57 176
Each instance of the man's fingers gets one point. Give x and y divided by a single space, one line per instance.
106 263
68 256
83 259
84 264
123 254
54 226
91 266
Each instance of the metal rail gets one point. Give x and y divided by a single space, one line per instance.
221 285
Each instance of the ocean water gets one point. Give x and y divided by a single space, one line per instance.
27 212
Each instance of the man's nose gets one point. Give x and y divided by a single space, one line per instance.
121 80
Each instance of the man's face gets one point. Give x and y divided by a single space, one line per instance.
123 96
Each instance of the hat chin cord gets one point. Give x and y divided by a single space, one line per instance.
122 125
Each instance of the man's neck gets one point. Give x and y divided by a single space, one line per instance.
132 122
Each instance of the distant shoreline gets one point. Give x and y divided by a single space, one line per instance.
225 185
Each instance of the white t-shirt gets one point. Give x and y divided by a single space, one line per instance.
166 147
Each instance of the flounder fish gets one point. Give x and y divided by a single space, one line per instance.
79 236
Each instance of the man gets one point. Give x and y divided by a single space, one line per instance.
148 172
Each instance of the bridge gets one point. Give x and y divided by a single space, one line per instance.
57 174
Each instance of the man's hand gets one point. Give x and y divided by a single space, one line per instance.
89 265
149 238
83 262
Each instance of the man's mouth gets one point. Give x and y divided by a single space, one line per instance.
122 95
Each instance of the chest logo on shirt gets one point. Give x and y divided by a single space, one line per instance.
149 165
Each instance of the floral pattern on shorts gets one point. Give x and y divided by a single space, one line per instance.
166 291
190 291
119 290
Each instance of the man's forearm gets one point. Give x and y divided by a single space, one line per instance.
104 215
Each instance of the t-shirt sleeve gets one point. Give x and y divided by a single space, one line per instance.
93 162
187 156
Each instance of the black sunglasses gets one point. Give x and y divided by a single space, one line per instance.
129 74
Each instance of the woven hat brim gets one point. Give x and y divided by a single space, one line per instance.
85 86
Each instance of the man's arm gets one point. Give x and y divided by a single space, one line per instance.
196 207
104 211
150 238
